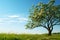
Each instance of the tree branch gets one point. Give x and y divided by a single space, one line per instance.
44 27
57 23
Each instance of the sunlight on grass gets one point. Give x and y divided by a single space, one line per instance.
29 37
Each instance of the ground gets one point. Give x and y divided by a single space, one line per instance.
55 36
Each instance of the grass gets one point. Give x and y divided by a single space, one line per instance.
29 36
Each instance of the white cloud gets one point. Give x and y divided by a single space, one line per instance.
13 16
13 19
1 19
23 19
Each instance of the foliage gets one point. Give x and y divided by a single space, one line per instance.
44 15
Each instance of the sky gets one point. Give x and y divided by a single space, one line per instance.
14 16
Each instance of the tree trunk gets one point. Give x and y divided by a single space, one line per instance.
49 32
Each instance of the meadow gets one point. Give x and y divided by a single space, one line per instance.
54 36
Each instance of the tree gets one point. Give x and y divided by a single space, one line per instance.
44 15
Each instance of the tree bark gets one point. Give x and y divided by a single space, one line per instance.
49 32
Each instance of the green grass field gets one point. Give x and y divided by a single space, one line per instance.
29 37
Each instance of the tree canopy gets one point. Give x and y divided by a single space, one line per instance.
44 15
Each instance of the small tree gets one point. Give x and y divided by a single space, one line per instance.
44 15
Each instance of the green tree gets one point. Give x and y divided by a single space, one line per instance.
44 15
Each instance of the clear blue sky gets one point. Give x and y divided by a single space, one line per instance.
14 16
